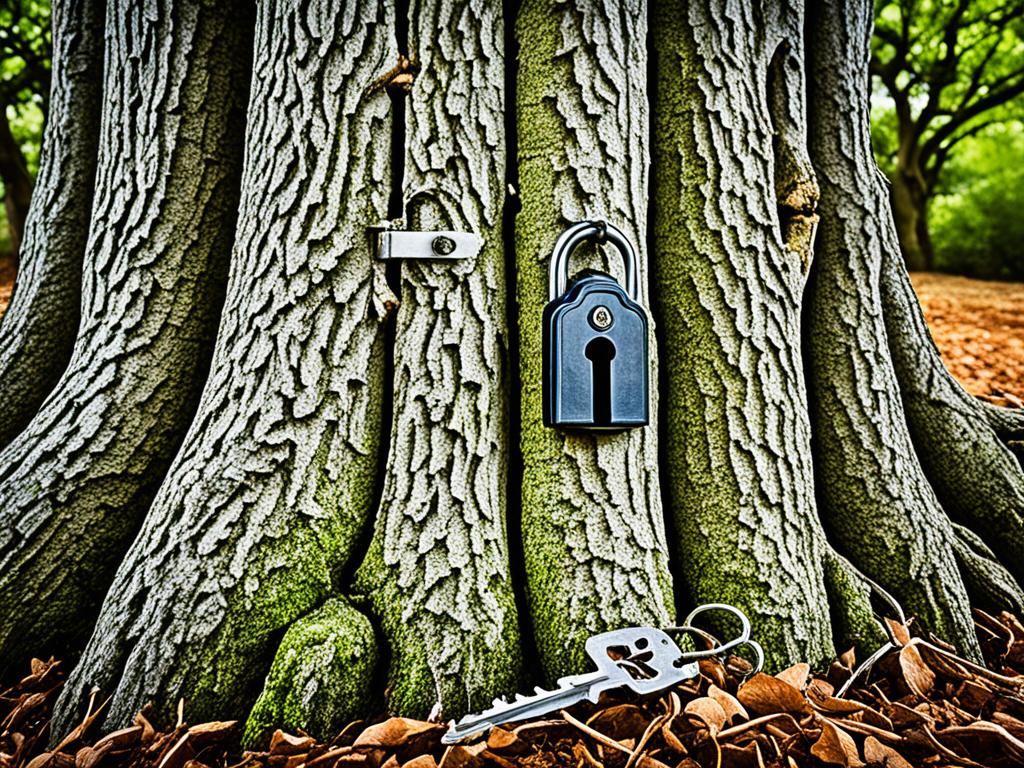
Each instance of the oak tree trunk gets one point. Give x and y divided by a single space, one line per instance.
363 510
910 215
38 329
76 482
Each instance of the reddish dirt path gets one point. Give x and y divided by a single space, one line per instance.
977 324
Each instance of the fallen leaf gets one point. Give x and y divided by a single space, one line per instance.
835 746
877 752
796 675
729 703
709 711
763 694
395 732
621 721
282 743
918 676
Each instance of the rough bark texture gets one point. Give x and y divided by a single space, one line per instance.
437 572
729 293
38 329
76 482
592 526
268 496
975 476
259 521
874 499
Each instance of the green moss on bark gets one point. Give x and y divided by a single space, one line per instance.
320 677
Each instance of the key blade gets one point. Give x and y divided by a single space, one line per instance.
570 690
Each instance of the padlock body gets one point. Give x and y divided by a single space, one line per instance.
595 377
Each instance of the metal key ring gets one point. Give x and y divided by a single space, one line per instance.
744 635
742 639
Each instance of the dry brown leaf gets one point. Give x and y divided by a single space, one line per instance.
835 746
42 760
282 743
395 732
899 631
88 757
918 676
713 670
204 732
459 756
877 752
709 711
763 694
621 721
122 739
728 702
502 740
1013 746
423 761
796 675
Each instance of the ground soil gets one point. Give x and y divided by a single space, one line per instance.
978 326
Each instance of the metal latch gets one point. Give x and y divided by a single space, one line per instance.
392 243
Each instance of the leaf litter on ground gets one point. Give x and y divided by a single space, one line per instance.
918 704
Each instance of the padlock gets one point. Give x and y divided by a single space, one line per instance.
595 340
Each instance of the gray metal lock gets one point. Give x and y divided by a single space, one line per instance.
595 340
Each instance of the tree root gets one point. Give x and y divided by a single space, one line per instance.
321 676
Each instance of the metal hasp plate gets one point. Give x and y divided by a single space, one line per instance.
410 244
596 365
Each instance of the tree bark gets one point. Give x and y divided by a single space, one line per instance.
593 534
729 291
269 495
783 399
38 329
76 482
16 180
437 572
875 500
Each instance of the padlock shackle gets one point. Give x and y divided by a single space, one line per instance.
558 274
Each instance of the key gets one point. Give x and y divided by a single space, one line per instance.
643 659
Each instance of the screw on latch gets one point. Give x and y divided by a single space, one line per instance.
442 245
601 318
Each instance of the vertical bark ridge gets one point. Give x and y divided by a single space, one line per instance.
76 482
876 502
39 327
976 478
729 298
437 572
275 479
593 533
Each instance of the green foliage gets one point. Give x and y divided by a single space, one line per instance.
952 68
948 79
976 219
25 72
25 52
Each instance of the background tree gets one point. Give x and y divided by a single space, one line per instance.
38 330
24 90
332 520
950 69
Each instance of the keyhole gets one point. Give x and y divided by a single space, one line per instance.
600 352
